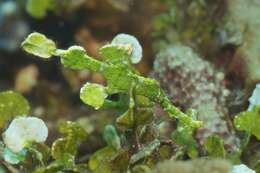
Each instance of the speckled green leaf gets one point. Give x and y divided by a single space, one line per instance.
116 52
36 8
76 58
73 130
93 95
39 45
12 104
214 145
100 161
249 122
184 136
111 137
64 150
120 162
119 78
142 101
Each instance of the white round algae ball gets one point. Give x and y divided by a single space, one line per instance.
242 169
24 130
129 39
254 100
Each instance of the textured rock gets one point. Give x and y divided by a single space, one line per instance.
192 82
242 29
